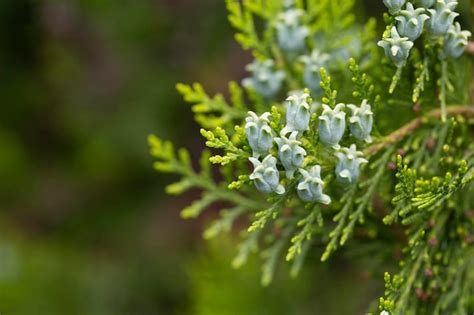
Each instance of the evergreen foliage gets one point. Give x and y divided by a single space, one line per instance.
347 161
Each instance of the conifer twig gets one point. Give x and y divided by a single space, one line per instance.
405 130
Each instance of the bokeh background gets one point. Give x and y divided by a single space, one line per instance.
85 227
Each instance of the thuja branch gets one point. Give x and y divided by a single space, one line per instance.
282 160
407 129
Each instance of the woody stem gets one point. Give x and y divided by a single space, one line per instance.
405 130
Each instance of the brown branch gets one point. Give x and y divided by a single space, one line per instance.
470 48
407 129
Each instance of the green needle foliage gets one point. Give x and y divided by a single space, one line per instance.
329 143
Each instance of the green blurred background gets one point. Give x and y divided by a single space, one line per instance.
85 227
